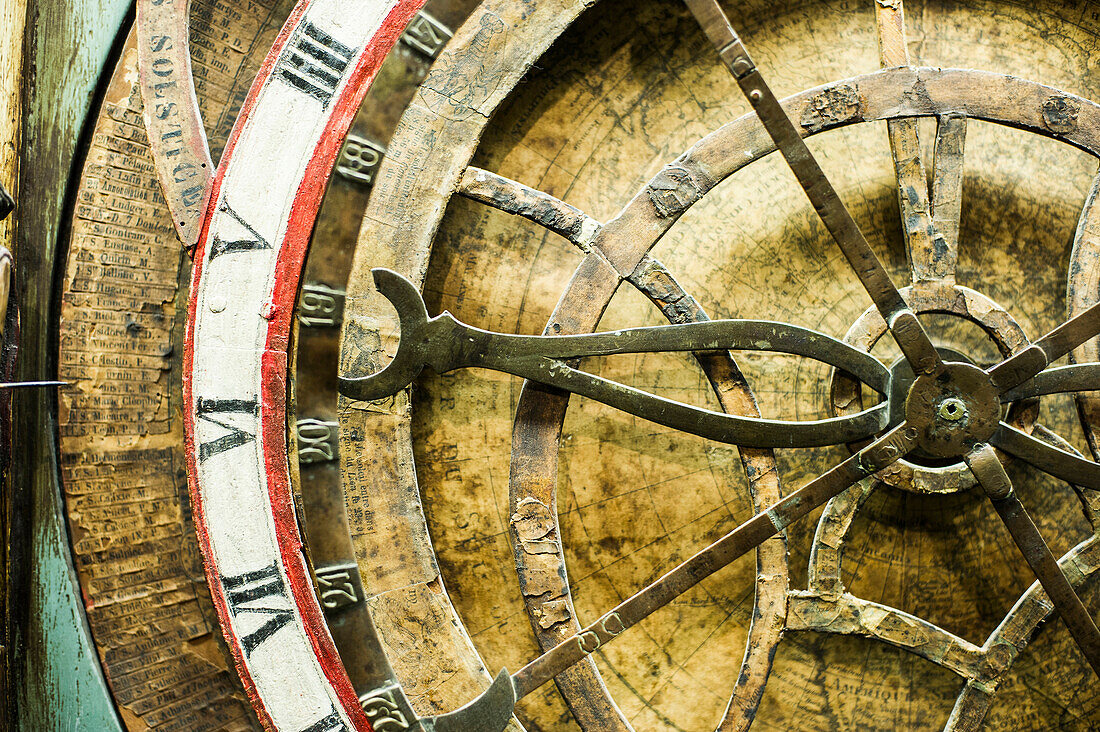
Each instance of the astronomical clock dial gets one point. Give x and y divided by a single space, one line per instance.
704 365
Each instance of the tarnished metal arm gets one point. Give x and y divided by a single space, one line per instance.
1059 463
903 324
1040 354
1048 458
444 344
490 712
987 468
1077 377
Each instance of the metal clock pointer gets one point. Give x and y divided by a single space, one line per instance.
952 409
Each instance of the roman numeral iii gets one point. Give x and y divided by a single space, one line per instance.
314 62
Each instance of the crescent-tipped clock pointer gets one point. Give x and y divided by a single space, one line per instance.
951 410
444 344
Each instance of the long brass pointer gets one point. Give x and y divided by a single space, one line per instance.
987 468
444 344
490 711
902 322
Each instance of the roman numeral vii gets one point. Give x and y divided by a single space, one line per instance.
251 593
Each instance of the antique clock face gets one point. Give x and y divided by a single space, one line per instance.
831 426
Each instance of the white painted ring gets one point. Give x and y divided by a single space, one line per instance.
256 229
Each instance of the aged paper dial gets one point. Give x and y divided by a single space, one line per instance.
647 193
603 125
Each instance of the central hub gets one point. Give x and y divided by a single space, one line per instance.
954 411
952 312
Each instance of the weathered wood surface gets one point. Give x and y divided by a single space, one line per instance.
173 125
58 682
122 325
614 103
53 659
13 17
120 436
593 125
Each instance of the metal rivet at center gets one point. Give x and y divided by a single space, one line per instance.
952 409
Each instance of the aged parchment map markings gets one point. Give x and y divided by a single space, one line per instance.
956 404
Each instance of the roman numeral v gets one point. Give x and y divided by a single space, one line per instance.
217 411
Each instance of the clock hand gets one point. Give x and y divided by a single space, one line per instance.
903 323
1054 461
490 712
1076 377
1055 344
444 344
987 468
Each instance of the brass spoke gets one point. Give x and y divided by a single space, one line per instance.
516 198
916 215
1077 377
1032 360
947 170
904 326
987 468
882 453
913 198
1059 463
890 20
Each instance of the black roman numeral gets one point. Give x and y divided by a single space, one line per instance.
331 723
248 593
236 436
221 246
314 62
